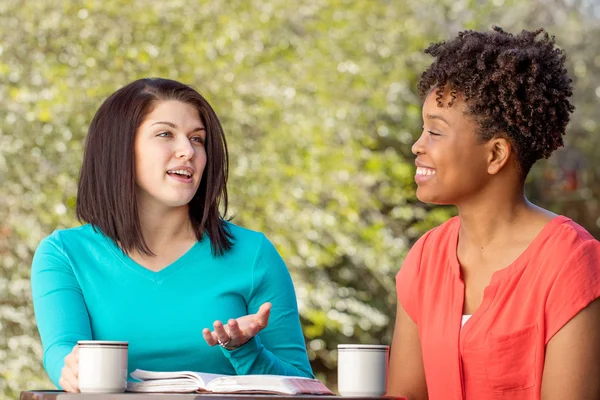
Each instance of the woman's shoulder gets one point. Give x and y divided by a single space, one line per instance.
441 235
431 248
562 227
244 239
78 236
250 245
564 241
241 233
66 244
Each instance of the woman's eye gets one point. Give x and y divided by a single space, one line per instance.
433 133
164 134
197 139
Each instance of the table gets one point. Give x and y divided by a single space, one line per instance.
59 395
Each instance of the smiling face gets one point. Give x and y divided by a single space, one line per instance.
452 163
169 155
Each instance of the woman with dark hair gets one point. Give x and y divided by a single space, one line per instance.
500 301
156 262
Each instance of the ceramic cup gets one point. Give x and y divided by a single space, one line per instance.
362 369
102 366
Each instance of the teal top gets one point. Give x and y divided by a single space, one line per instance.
84 287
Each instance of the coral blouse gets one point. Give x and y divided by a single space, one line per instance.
499 352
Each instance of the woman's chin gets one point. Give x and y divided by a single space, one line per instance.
177 202
426 195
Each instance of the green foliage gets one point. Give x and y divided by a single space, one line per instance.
318 101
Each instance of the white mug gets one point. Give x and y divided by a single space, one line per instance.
362 369
102 366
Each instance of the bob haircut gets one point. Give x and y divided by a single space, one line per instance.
106 196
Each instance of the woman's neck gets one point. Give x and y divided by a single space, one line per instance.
502 220
165 226
484 224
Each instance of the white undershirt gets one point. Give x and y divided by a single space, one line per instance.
465 318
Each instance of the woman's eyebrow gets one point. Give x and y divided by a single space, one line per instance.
172 125
435 116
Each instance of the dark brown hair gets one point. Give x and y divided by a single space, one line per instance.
515 86
106 191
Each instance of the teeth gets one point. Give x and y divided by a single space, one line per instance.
180 172
425 171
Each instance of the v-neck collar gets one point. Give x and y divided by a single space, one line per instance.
160 275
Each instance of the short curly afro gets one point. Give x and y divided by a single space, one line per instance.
513 85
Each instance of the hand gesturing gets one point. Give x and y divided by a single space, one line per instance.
238 331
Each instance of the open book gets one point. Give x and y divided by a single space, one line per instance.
188 381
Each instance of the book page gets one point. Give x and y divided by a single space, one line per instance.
176 385
200 379
189 381
267 384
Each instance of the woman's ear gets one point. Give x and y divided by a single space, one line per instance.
500 151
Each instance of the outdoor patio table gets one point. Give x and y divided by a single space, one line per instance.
59 395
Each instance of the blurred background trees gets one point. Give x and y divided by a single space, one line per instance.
318 101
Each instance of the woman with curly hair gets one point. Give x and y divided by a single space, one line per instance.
500 301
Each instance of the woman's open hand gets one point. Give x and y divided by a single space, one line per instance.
238 331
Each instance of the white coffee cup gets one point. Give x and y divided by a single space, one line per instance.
362 369
102 366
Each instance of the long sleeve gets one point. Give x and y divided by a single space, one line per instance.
85 288
59 306
279 349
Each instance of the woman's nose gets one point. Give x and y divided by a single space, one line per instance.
418 147
185 149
